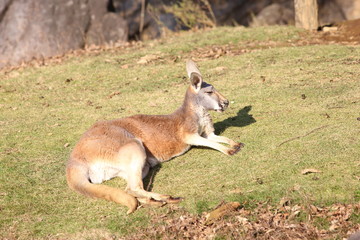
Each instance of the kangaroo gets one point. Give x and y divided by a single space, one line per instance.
128 147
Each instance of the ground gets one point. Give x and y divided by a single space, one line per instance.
294 102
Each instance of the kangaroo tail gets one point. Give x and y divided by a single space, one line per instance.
77 176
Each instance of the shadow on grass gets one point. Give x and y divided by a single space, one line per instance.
242 119
149 179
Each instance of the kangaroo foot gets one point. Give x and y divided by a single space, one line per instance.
150 202
170 199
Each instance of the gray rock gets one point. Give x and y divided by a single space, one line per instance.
41 28
355 236
106 27
36 29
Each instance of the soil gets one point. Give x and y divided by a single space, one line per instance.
344 32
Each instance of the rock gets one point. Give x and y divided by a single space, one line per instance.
110 28
106 25
241 11
37 29
330 12
350 8
40 28
131 11
274 14
355 236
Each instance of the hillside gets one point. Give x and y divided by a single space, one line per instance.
294 102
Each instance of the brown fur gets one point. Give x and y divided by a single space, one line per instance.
128 147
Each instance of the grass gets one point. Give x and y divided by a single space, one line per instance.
295 107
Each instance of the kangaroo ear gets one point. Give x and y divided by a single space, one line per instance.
196 81
194 75
191 67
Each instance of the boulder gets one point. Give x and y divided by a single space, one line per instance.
36 29
274 14
41 28
106 26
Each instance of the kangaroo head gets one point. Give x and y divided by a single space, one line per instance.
204 94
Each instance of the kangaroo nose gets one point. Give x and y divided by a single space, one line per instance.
226 102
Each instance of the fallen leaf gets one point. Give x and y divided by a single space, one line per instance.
236 190
310 170
285 201
242 220
219 69
221 211
296 188
66 145
148 58
114 94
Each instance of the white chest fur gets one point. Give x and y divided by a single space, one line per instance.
205 122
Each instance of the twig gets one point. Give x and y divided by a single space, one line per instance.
142 16
294 138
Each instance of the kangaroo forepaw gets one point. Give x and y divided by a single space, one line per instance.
235 148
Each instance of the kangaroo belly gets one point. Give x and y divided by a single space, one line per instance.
160 135
164 150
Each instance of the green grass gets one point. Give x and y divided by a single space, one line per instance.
41 112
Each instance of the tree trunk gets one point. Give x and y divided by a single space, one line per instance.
306 14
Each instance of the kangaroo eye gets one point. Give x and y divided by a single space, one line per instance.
209 92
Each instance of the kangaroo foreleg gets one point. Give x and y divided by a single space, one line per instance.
220 139
197 140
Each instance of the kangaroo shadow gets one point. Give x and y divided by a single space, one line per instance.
148 181
242 119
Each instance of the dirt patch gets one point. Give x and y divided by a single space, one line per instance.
262 222
344 32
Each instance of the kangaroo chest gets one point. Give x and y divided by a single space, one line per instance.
205 125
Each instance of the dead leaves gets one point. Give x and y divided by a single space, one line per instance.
144 60
261 222
148 58
217 51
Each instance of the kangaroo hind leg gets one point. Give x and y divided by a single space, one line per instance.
136 170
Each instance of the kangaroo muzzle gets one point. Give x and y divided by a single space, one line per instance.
223 104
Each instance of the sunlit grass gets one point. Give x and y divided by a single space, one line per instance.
310 94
